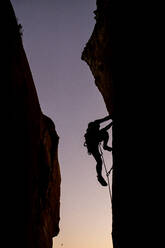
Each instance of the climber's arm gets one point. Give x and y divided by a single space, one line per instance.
103 119
107 127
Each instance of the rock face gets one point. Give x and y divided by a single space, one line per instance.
31 196
98 53
114 54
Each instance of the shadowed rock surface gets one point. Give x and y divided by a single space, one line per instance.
31 172
118 53
98 55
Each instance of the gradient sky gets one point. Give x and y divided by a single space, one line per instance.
54 35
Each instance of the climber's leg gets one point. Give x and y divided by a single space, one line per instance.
96 154
105 138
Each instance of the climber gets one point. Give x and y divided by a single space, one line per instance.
93 137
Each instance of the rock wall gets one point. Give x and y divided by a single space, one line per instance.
98 55
31 172
118 54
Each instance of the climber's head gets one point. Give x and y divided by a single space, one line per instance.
93 125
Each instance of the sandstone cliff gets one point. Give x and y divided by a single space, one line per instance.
31 195
116 54
98 55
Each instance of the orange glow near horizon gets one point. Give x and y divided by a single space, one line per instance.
86 217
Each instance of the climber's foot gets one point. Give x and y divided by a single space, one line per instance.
107 148
102 181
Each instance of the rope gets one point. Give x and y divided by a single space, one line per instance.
107 173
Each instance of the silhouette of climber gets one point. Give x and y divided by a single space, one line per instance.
93 137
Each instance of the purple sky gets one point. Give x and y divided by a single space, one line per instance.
54 35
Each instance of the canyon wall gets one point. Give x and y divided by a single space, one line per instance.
98 55
31 172
118 54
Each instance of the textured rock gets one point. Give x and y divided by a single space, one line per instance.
98 53
114 54
31 195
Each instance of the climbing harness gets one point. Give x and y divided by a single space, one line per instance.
107 173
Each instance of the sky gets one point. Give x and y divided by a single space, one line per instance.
54 35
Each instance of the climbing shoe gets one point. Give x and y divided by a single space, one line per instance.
102 181
107 148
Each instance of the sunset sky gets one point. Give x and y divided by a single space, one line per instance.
54 35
